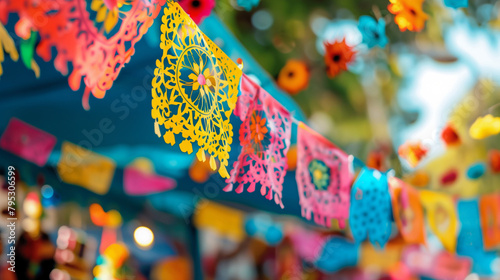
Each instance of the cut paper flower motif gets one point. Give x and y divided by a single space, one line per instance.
294 76
265 139
248 5
373 31
202 79
408 14
6 45
370 213
197 9
319 174
442 217
194 90
407 211
412 152
323 178
93 57
338 55
456 3
485 127
258 129
107 12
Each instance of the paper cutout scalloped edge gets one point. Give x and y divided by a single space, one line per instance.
68 29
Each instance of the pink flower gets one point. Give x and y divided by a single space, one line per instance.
197 9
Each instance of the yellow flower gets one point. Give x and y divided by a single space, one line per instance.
107 12
202 79
485 127
408 14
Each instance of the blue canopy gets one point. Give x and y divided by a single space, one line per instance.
49 104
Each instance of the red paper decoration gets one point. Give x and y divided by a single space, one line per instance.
67 27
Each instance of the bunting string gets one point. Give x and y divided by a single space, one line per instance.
194 94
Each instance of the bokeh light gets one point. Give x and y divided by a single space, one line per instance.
143 236
47 191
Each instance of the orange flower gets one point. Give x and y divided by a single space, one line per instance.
408 14
258 128
294 77
337 56
412 152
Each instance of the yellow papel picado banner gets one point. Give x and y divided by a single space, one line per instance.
194 90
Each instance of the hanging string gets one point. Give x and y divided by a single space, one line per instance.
490 110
